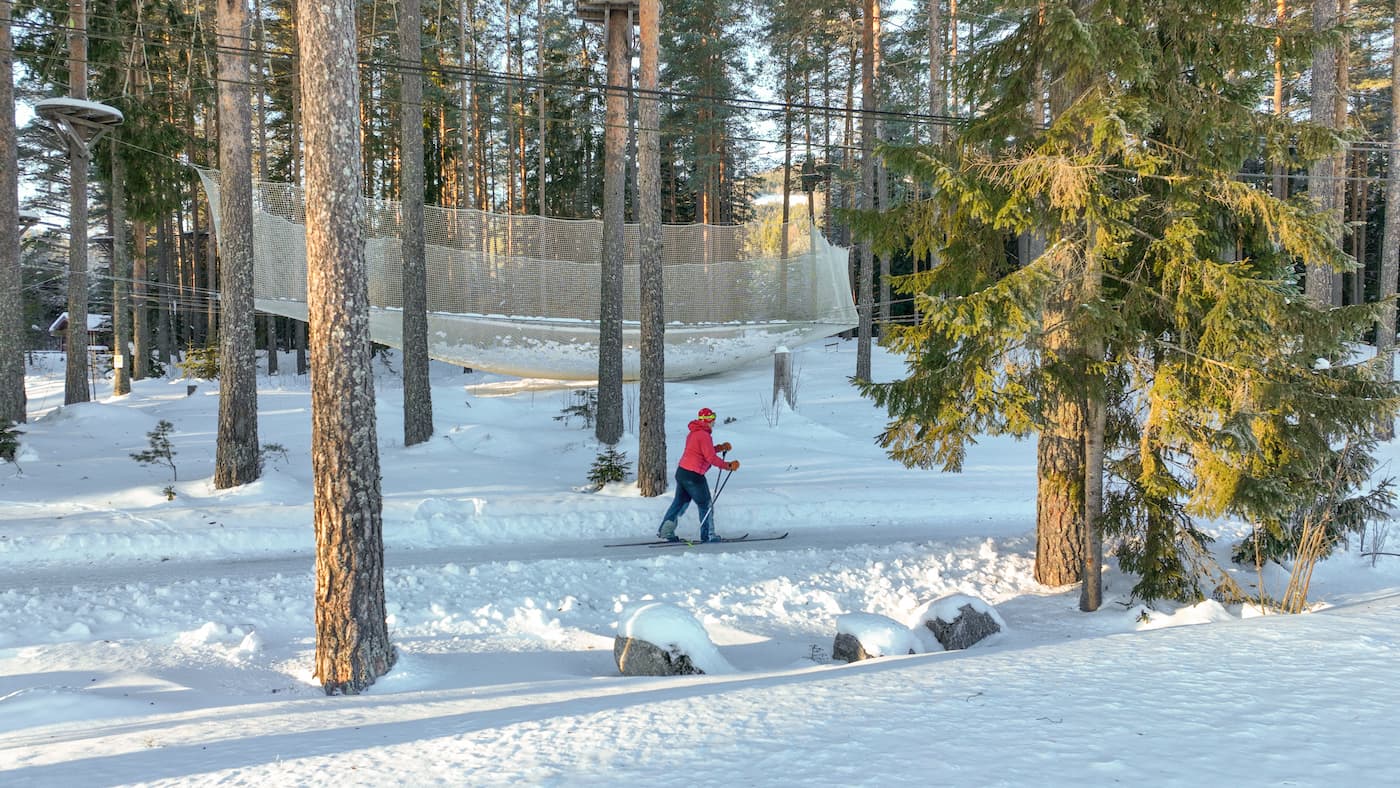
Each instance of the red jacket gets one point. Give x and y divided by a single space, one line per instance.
700 455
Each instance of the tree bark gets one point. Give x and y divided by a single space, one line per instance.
1060 463
121 278
1324 174
75 382
13 403
270 320
882 201
1095 422
352 638
417 390
937 87
651 432
608 426
237 458
1281 14
1390 246
870 64
140 314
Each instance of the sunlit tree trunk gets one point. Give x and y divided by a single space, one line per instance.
651 432
1060 464
352 637
237 458
75 382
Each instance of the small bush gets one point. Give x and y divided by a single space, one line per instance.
584 405
9 441
610 466
201 363
161 451
273 448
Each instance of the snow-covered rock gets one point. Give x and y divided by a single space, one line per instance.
659 639
869 635
959 621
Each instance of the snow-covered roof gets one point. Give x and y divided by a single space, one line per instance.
90 111
94 323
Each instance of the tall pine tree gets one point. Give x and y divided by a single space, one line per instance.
1184 341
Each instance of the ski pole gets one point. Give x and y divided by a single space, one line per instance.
721 479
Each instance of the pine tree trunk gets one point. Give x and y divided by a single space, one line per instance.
192 250
541 102
13 404
783 244
1281 14
75 383
121 277
937 86
882 201
870 63
165 340
651 432
270 321
608 427
140 314
1059 556
417 391
1095 417
1060 462
1324 174
352 638
237 459
1390 246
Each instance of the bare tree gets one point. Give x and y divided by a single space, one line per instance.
12 397
417 391
651 434
237 459
352 636
608 427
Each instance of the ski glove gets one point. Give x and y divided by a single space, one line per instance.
733 466
723 447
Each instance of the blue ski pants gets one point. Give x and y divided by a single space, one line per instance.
690 486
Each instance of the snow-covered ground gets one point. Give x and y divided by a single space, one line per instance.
145 640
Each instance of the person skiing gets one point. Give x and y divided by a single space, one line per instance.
701 454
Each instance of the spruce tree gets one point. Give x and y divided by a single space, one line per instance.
1220 390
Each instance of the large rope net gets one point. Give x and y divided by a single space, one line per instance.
519 294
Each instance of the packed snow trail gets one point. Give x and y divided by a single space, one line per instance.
1056 714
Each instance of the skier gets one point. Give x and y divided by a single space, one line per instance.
701 454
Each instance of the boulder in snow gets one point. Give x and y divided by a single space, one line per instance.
958 621
637 657
657 639
868 635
